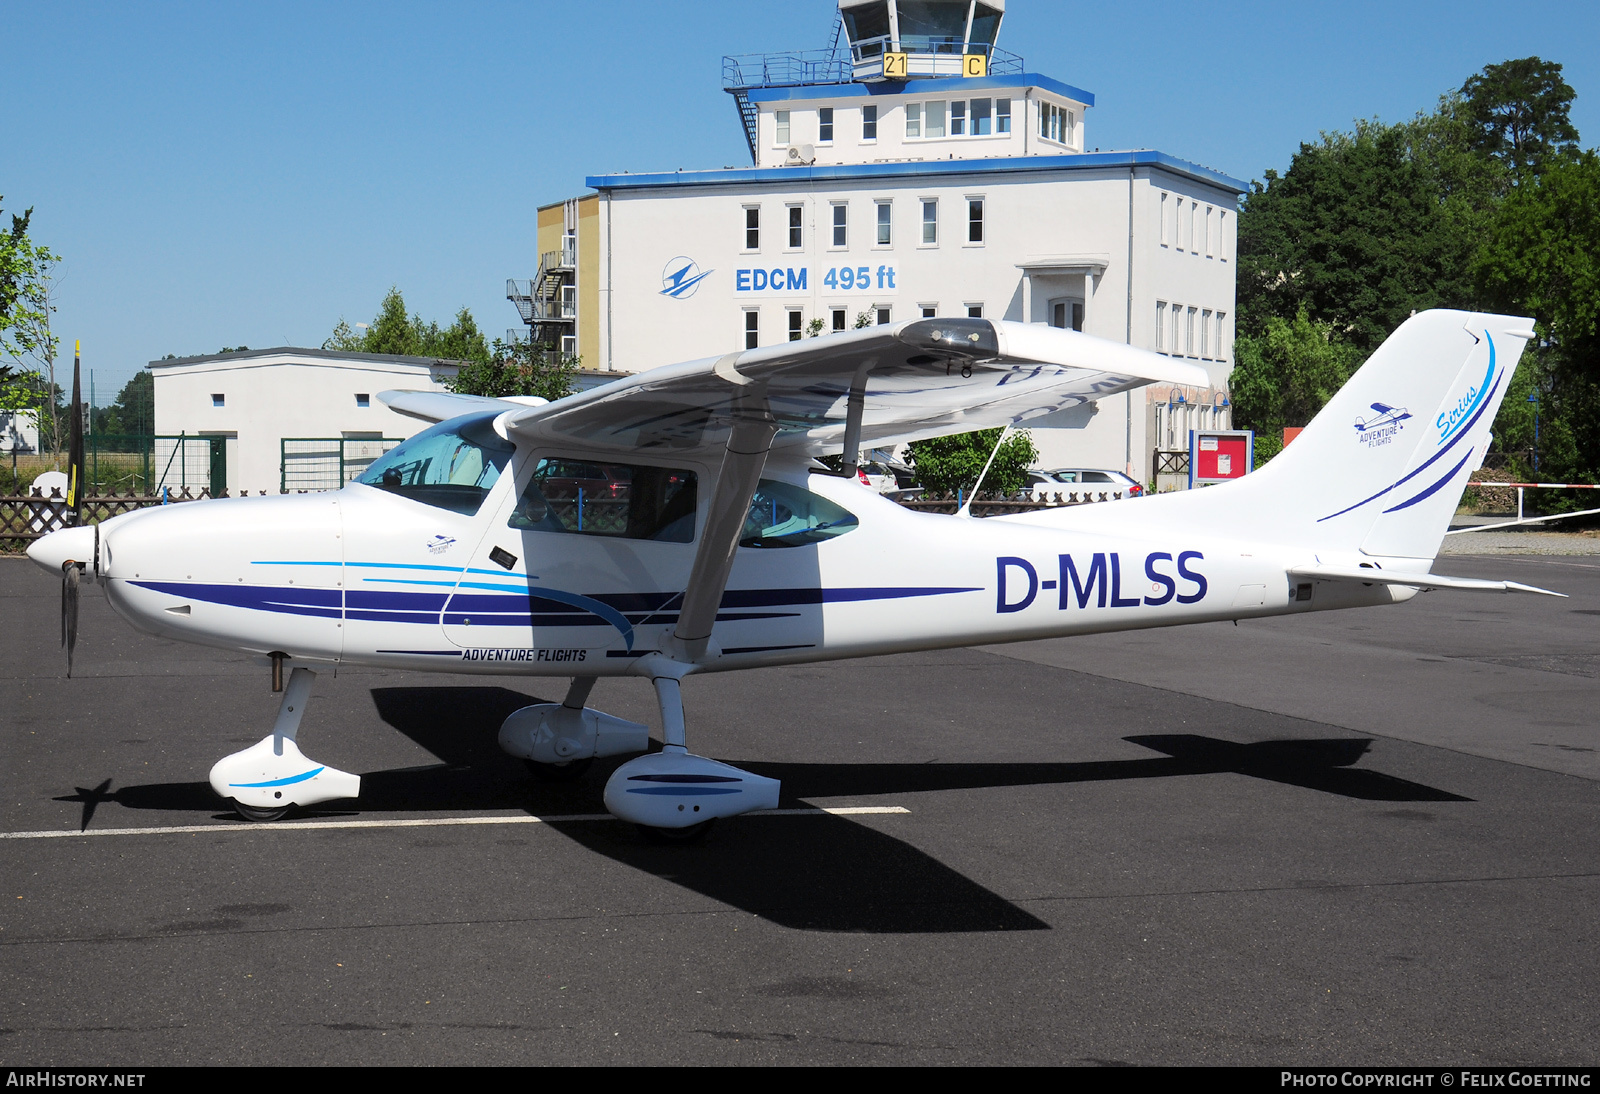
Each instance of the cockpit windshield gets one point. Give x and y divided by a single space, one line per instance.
452 465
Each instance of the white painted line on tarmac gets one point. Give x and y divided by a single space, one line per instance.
440 822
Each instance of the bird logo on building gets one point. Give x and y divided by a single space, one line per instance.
681 277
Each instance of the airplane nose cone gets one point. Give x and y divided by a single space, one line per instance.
68 545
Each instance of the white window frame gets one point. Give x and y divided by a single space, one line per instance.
983 222
883 225
1205 335
838 224
569 345
922 235
752 328
913 121
782 128
883 314
869 117
1161 218
838 319
825 117
1194 227
790 228
1161 324
974 309
1188 333
928 310
931 109
958 119
797 324
1222 236
1002 130
751 248
1211 247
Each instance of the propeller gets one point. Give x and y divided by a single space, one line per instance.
71 572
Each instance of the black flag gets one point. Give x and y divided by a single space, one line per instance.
75 449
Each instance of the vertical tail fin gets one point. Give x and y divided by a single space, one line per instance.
1381 469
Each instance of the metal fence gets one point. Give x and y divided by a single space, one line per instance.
307 464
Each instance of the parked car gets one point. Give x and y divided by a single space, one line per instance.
1079 479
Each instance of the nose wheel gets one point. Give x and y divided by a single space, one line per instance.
258 815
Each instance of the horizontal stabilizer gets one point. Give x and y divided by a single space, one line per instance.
1419 581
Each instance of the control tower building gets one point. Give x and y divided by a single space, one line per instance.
915 168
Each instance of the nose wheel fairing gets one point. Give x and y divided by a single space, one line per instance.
273 774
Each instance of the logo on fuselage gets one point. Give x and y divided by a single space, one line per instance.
524 655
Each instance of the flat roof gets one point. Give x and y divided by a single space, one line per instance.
1079 161
297 351
936 85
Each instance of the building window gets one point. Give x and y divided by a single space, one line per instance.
838 318
795 318
1070 130
1161 324
1173 344
1210 245
958 119
974 311
1222 329
782 118
752 227
841 225
569 301
933 120
217 399
884 229
980 117
930 221
363 398
974 220
1067 315
569 345
1222 235
1162 220
1188 333
869 123
1205 333
929 310
1194 227
752 328
825 125
796 232
913 119
1002 115
883 317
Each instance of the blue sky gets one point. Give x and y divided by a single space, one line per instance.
226 174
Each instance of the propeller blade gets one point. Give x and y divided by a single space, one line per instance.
69 610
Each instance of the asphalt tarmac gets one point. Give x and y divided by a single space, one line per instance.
1369 837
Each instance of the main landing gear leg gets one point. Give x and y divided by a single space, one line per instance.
675 796
271 775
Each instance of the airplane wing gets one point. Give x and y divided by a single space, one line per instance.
1419 581
876 386
893 383
438 406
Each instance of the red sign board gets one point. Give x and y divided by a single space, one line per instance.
1218 455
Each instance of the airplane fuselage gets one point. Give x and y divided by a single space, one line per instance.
364 576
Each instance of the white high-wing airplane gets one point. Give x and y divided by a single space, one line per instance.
676 522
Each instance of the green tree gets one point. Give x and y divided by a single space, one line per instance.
1366 227
1284 375
1521 112
27 289
1541 257
392 331
133 412
520 368
953 463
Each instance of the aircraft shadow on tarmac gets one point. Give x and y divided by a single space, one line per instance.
826 873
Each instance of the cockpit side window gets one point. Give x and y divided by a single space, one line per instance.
784 515
623 501
452 465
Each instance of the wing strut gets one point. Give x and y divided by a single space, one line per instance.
855 407
753 428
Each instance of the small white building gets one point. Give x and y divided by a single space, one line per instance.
961 184
283 419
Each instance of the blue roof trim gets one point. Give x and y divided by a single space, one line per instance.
1085 161
917 87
